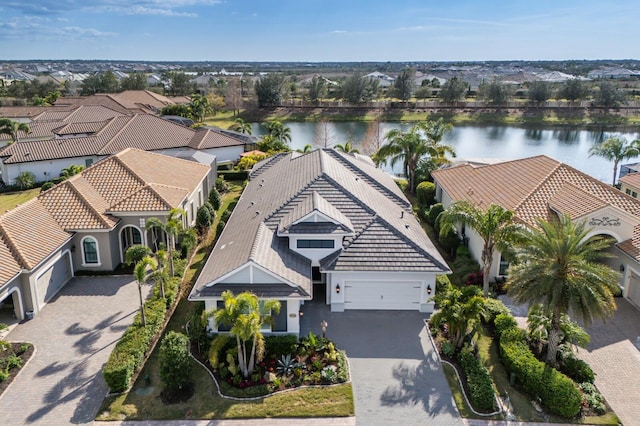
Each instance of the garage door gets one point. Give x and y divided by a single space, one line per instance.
634 290
403 295
53 279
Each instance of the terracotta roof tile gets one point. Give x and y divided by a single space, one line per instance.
112 180
71 211
631 179
208 138
9 266
145 199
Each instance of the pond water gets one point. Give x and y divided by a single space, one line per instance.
570 146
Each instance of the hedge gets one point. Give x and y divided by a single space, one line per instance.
234 175
129 352
479 383
426 192
279 345
555 390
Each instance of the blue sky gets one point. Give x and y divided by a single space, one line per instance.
319 30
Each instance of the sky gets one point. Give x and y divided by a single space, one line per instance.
319 30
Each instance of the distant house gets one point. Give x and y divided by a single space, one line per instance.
613 72
384 80
87 222
323 226
59 139
127 102
630 184
541 187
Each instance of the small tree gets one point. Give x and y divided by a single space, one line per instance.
539 91
136 253
203 219
453 90
214 199
175 363
25 180
426 192
269 89
494 92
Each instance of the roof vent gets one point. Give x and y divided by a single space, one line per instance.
253 202
470 191
402 214
257 212
406 225
357 178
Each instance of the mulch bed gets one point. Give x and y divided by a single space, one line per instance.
24 355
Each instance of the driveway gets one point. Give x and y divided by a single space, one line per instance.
73 335
396 376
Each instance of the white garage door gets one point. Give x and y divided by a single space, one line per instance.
53 279
634 290
402 295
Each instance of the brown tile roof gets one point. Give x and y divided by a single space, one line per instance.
529 185
79 128
31 232
130 101
281 184
14 112
572 200
631 179
209 138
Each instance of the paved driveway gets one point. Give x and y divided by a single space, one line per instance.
396 377
73 335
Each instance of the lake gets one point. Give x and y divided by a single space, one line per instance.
570 146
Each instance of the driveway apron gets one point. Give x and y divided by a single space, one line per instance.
396 376
73 335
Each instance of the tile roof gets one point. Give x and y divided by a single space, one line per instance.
530 186
129 101
282 188
35 229
631 179
208 138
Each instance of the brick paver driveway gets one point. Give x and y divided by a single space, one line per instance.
73 335
397 379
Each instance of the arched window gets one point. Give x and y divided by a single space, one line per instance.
90 254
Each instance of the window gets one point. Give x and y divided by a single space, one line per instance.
628 191
634 194
504 265
88 162
316 244
90 251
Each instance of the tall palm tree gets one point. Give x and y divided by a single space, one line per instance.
616 149
246 314
460 310
140 275
494 225
154 224
172 228
347 148
410 147
13 129
239 125
557 266
278 131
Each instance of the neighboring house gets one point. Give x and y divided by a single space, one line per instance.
630 184
541 187
54 145
87 222
324 226
127 102
613 72
384 80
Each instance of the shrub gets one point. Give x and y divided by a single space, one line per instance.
343 368
221 186
426 192
203 219
493 308
175 363
129 352
214 198
219 228
224 217
434 211
233 175
210 208
479 383
555 390
25 180
577 369
448 349
403 184
450 241
280 345
47 185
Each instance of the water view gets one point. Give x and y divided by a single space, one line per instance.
570 146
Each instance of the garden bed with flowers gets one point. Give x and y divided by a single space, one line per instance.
283 362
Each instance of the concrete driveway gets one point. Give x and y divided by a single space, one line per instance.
396 376
73 335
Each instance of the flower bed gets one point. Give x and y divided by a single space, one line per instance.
287 364
13 357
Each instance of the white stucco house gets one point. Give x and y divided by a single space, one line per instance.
87 222
324 226
541 187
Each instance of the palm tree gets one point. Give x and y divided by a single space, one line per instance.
412 146
347 148
160 276
616 149
239 125
154 224
172 228
538 325
307 148
13 129
494 225
278 131
557 266
199 107
140 275
460 310
246 314
72 170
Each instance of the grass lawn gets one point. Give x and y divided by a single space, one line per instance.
10 200
222 119
143 401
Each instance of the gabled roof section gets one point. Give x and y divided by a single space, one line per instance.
27 151
208 137
9 266
631 179
531 187
31 233
79 128
315 203
113 180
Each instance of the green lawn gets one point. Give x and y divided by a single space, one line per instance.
143 401
10 200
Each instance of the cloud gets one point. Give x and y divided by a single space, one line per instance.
339 31
121 7
42 28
